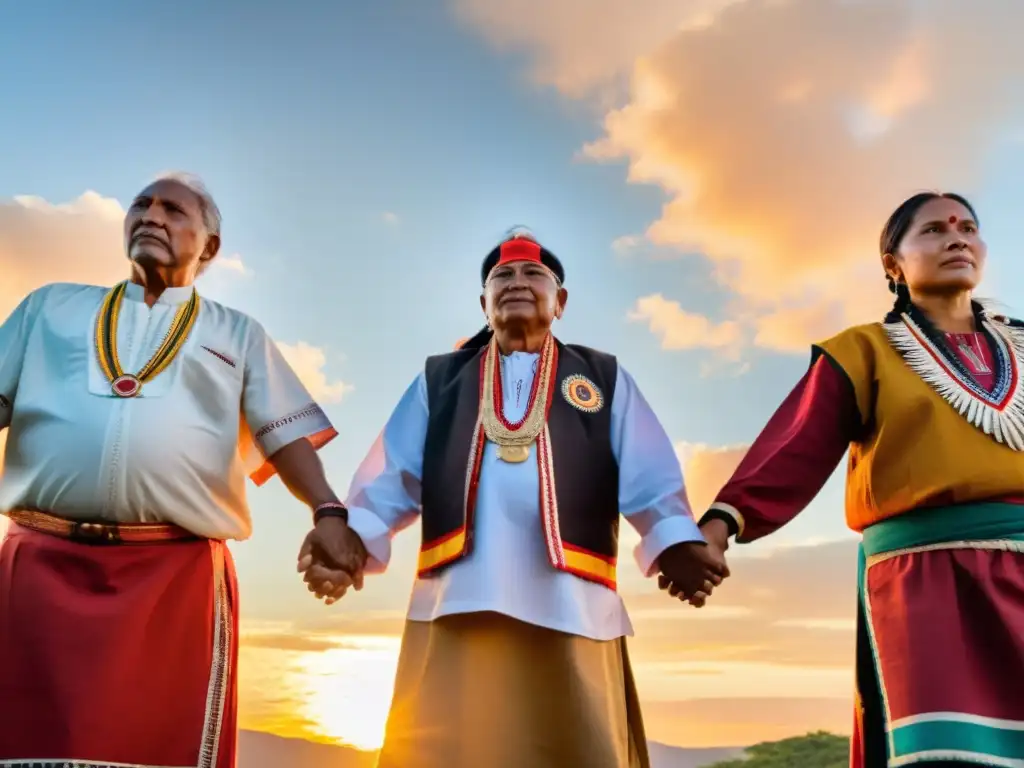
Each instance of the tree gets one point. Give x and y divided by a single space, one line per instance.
815 750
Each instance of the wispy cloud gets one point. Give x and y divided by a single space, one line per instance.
80 241
782 623
309 363
232 263
43 242
679 329
706 469
781 133
627 245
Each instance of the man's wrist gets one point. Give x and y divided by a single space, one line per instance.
330 509
719 527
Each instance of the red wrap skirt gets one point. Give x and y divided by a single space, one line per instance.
940 646
116 650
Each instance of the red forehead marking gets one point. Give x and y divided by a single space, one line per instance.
953 219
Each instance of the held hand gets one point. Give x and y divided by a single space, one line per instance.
690 569
332 559
716 534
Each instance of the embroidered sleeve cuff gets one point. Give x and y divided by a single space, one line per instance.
375 535
672 530
730 511
309 422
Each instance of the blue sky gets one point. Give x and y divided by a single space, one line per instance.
308 132
365 158
309 127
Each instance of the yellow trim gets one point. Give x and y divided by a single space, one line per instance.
104 312
181 327
114 364
731 511
441 553
595 566
177 334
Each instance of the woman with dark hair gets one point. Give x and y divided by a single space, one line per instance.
930 405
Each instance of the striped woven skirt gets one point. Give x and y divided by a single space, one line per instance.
940 643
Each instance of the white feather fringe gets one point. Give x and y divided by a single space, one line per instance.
1000 413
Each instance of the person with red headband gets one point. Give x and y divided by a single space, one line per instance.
520 453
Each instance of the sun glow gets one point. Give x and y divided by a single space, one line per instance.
339 694
349 690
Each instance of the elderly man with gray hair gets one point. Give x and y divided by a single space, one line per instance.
135 414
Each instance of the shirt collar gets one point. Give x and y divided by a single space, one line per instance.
173 296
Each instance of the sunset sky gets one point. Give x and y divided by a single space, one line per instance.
713 174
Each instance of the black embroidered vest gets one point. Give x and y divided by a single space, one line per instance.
580 517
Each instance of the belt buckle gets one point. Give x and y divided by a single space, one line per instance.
94 533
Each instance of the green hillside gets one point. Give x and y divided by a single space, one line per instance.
815 750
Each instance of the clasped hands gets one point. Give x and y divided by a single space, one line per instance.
691 570
332 559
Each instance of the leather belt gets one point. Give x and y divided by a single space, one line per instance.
92 532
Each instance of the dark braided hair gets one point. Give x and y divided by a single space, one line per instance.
896 229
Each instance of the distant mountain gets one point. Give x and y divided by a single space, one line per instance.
262 750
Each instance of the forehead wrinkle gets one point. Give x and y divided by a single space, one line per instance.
171 192
510 265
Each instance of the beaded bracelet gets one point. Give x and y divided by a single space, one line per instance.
330 509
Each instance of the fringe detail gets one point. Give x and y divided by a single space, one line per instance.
999 414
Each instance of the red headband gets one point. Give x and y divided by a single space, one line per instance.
519 249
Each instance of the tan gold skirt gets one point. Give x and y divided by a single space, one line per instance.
482 690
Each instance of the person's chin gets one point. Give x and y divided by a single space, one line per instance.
147 256
518 312
957 280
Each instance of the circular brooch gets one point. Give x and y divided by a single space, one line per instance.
582 394
126 386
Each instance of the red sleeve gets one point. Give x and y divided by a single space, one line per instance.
795 454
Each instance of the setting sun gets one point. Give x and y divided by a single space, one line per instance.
349 690
338 695
752 299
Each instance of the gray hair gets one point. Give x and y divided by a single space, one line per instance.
211 213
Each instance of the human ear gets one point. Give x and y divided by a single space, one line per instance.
892 267
560 300
212 248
